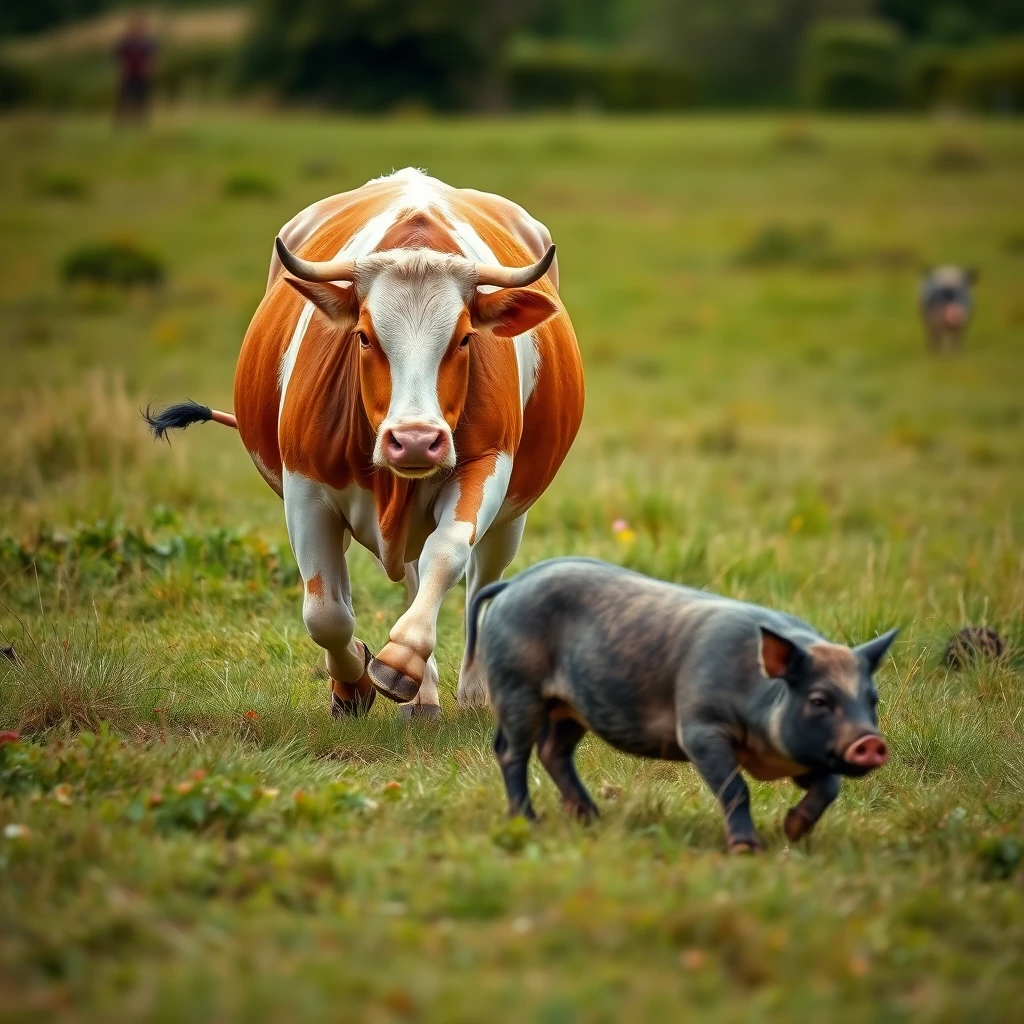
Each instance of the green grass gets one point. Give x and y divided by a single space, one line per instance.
771 428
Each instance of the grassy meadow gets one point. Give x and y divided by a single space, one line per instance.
184 832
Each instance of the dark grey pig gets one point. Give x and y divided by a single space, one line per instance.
664 671
946 299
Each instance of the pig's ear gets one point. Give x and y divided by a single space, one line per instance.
780 658
874 650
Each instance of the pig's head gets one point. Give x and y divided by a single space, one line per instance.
947 297
827 720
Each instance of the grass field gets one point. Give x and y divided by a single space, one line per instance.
761 411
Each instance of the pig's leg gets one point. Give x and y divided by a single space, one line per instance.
555 748
712 754
519 721
821 791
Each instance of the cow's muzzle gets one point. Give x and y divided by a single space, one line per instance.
415 449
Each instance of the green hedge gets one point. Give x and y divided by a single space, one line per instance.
563 75
853 64
86 80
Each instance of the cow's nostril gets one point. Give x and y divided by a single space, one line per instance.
438 442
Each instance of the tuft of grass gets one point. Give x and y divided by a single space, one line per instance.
776 244
61 184
54 434
119 263
70 680
249 185
957 153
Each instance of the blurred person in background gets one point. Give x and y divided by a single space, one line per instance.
135 53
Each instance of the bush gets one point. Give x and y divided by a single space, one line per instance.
18 86
992 77
560 75
119 263
373 55
852 65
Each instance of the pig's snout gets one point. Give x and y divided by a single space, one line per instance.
868 752
954 315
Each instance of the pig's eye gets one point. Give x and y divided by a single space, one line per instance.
819 703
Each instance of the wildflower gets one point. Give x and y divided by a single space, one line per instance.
9 737
62 794
251 715
392 786
14 831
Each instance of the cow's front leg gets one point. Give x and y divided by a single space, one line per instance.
319 540
426 703
490 558
465 507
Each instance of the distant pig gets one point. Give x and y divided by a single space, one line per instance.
664 671
946 299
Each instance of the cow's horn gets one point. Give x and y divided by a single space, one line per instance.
329 270
515 277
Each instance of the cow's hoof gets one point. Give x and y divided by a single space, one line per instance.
352 707
430 712
796 825
745 845
391 683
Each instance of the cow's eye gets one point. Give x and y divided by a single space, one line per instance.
465 341
364 341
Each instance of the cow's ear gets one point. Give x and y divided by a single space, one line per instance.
874 650
972 274
512 311
781 658
338 304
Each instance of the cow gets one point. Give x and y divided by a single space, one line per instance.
945 301
410 380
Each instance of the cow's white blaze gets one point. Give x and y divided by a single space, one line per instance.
415 305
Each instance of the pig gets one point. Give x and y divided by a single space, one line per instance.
946 299
665 671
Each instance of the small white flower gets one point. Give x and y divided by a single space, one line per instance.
14 831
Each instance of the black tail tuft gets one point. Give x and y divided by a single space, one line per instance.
483 594
176 417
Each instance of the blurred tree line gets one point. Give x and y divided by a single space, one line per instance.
372 55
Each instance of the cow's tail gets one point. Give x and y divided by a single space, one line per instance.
182 415
483 594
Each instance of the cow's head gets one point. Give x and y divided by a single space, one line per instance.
414 313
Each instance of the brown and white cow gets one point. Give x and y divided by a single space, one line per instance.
401 385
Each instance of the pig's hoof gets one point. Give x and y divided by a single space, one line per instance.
745 844
391 683
796 825
581 812
429 712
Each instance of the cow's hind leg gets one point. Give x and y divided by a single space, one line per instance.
490 558
319 540
556 747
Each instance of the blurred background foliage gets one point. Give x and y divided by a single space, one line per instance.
491 55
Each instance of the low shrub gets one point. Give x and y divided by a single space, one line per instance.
119 263
775 244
